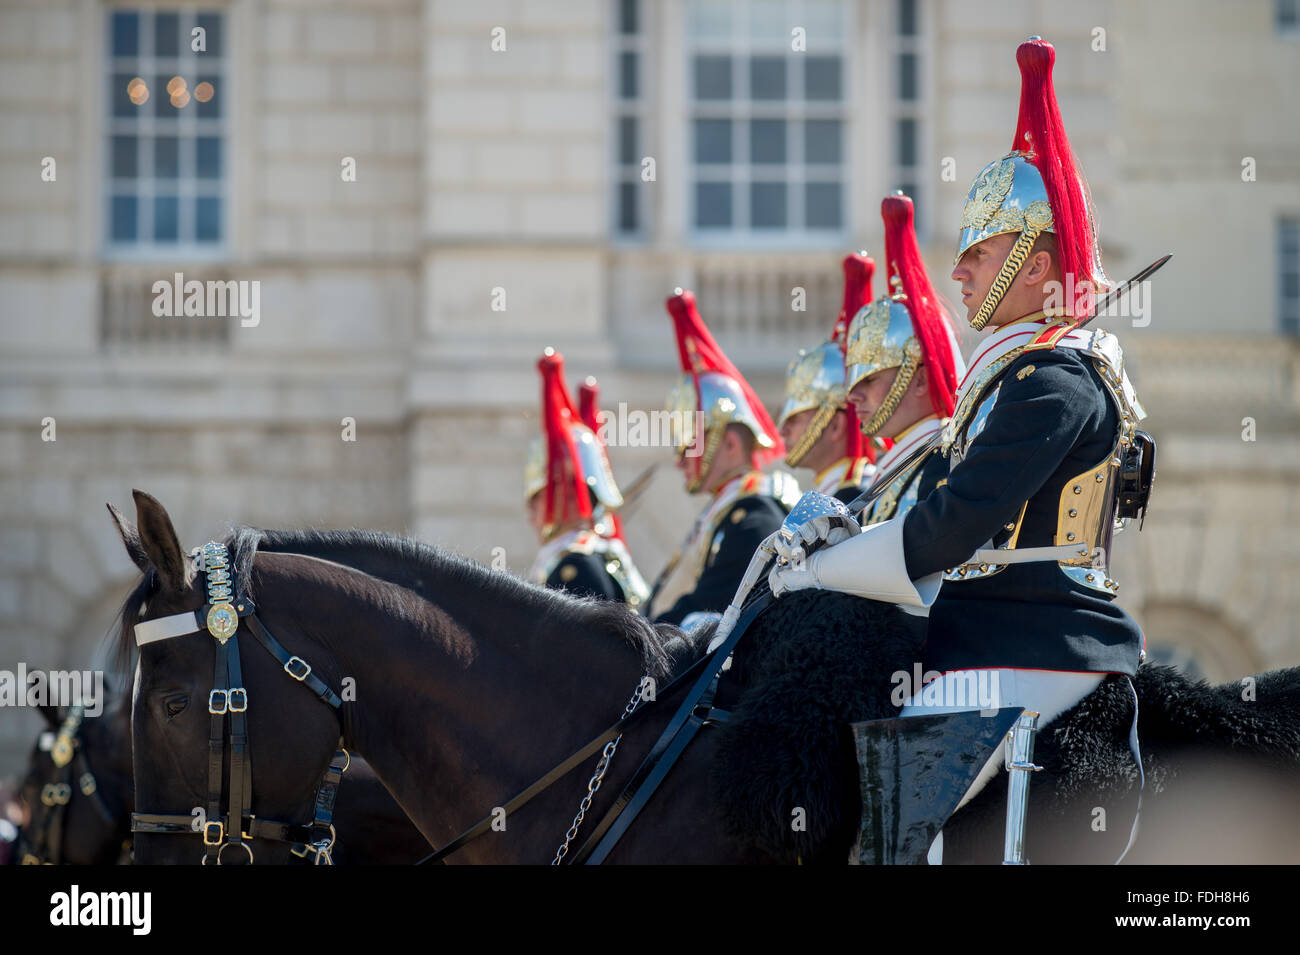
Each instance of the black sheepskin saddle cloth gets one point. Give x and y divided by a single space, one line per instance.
785 781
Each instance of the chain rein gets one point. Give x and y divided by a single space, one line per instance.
602 767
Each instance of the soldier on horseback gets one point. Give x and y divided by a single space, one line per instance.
724 435
818 426
1010 554
903 364
572 497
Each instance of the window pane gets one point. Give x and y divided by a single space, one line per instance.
1291 285
208 157
166 34
627 85
124 157
122 105
627 17
627 129
767 141
907 142
212 108
1290 239
627 208
822 205
161 99
907 76
712 77
207 219
907 17
211 22
166 157
767 205
767 78
123 217
126 34
713 140
822 141
166 218
712 204
822 78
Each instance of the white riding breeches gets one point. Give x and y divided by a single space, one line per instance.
1049 693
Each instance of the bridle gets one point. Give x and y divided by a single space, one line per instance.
227 606
41 842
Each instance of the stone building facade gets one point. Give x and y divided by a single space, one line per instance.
499 206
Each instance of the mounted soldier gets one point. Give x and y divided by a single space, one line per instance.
821 430
1010 554
572 496
903 364
724 436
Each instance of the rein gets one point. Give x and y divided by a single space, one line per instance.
227 707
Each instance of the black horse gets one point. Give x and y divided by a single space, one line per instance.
470 684
78 813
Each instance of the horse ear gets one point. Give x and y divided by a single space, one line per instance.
158 538
131 538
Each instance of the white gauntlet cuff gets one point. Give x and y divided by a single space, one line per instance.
873 565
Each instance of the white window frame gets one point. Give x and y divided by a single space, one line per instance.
188 65
740 48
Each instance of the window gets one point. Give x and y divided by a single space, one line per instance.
167 162
1288 272
767 114
907 97
1287 14
630 76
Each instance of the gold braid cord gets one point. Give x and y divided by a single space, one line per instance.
911 361
1006 275
712 442
811 435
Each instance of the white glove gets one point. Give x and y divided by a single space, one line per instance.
795 574
795 543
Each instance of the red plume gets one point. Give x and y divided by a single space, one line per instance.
566 487
700 353
588 403
929 320
858 272
1041 133
589 409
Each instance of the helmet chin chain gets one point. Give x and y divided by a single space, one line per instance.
1006 275
712 441
811 435
911 361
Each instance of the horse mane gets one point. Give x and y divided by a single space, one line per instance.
661 647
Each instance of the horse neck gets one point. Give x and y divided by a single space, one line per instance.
462 702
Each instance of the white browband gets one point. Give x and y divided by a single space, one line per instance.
164 628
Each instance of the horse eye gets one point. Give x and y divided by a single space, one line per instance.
175 705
